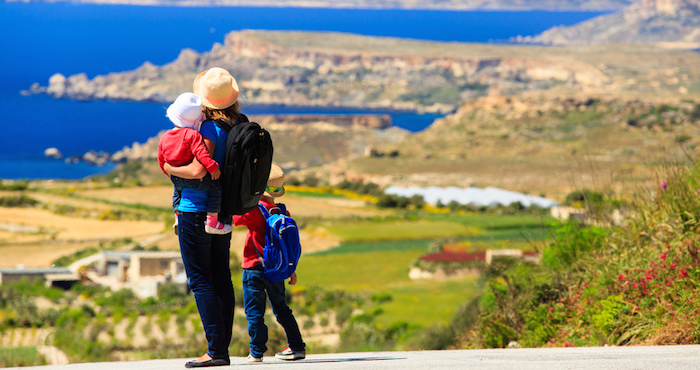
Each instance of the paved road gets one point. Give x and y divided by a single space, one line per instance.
590 358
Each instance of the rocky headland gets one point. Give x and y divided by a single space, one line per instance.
519 5
328 69
644 22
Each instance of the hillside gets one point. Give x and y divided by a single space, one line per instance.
539 145
331 69
522 5
645 22
300 142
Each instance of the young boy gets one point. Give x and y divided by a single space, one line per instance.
255 285
180 146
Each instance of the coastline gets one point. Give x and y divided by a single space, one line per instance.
453 5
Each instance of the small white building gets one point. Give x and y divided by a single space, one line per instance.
566 213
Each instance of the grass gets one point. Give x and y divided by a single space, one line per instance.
426 303
493 222
404 230
355 271
386 246
421 303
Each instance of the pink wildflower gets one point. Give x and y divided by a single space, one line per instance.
621 277
664 185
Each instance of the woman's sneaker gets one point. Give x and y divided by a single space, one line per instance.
254 359
213 226
289 355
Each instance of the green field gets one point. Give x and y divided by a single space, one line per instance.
400 230
380 246
426 303
422 303
356 271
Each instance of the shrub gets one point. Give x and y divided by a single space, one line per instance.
309 323
170 292
342 314
14 185
21 356
18 201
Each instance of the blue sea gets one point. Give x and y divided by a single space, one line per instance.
40 39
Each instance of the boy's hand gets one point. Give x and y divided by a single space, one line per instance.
293 279
215 175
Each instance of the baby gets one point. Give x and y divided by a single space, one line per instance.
179 146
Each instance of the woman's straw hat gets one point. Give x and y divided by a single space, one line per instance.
217 88
186 111
275 183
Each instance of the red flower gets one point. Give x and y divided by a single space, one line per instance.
673 265
684 273
648 276
621 277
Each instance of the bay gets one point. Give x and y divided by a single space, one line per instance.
40 39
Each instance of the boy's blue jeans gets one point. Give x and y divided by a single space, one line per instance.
206 260
254 287
212 187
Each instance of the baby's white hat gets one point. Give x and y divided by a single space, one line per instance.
186 111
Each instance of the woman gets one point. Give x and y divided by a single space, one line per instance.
206 256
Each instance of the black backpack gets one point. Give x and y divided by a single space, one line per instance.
246 166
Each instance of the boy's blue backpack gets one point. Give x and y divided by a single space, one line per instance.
282 248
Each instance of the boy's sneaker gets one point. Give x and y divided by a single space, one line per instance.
254 359
213 226
289 355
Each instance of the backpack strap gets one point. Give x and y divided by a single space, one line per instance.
222 125
225 126
283 208
265 215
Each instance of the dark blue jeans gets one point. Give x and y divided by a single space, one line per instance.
206 260
212 187
254 287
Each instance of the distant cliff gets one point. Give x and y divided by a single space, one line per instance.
329 69
647 21
550 5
